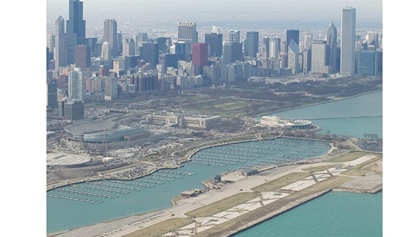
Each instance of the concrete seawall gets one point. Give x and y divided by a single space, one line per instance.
281 210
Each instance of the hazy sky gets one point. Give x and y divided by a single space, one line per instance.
298 10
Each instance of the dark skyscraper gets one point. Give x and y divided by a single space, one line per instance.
251 46
291 35
76 24
332 47
215 42
149 52
232 52
266 42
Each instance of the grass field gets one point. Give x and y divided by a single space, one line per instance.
222 205
318 168
349 156
161 228
280 182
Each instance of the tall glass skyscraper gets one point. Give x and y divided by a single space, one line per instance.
332 47
348 41
251 45
75 23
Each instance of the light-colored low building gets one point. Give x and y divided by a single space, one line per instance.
274 121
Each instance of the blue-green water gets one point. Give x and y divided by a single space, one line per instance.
334 214
147 194
116 199
352 117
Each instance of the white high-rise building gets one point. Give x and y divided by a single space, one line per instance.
76 85
106 51
275 47
348 41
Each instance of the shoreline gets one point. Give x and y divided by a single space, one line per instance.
319 103
187 159
293 205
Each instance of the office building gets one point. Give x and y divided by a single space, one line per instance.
266 42
199 57
367 63
73 110
76 25
293 57
232 52
348 41
60 48
187 32
251 46
319 60
215 43
76 85
129 47
234 36
52 94
274 47
163 44
291 35
332 48
93 44
139 39
110 36
111 88
83 55
149 52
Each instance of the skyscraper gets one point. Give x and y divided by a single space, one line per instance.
319 60
234 36
199 56
76 24
348 41
129 47
83 57
187 32
232 52
251 46
275 47
110 36
293 57
76 85
60 48
332 47
215 42
291 35
149 52
266 42
368 63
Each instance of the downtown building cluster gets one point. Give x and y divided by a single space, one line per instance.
81 70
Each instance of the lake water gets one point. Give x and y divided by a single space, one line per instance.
334 214
107 200
352 117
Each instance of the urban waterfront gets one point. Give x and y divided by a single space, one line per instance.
65 214
352 117
106 200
